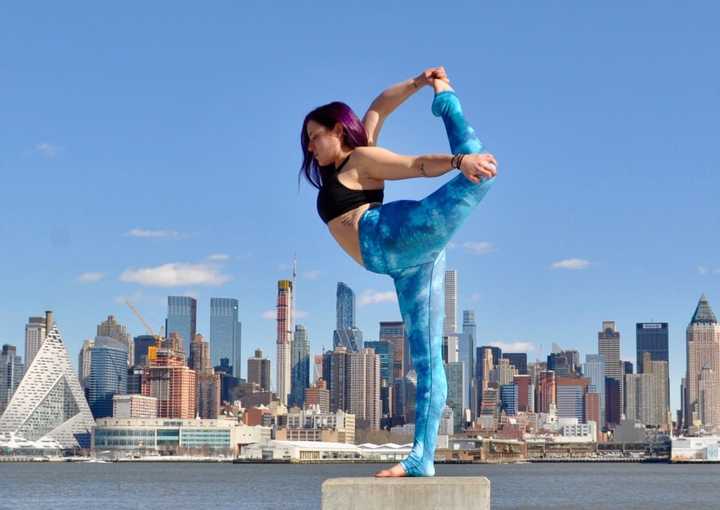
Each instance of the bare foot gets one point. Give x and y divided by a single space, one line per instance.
441 85
396 470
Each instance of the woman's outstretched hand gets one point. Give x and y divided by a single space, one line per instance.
478 166
430 74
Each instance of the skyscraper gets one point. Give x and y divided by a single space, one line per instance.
651 337
49 402
384 351
11 372
344 307
182 319
451 292
364 388
199 359
646 394
141 345
300 366
393 332
225 333
545 391
594 369
172 383
108 374
208 383
284 338
571 396
346 333
259 370
454 373
703 352
564 363
113 329
467 356
609 349
84 359
35 333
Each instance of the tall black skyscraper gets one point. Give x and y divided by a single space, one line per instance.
651 337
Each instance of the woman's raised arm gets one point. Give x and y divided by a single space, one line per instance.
394 96
382 164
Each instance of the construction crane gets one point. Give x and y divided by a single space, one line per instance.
158 339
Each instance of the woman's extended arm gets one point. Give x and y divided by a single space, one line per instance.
382 164
394 96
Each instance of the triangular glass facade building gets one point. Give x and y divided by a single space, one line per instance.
49 403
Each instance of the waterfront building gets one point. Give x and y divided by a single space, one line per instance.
221 436
49 403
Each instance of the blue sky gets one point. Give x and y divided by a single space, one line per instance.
165 137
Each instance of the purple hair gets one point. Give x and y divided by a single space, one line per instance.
354 135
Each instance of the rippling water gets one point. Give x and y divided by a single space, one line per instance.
280 487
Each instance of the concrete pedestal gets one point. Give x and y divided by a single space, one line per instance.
423 493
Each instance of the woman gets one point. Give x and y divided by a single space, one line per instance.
405 239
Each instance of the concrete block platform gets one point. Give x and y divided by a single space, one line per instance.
422 493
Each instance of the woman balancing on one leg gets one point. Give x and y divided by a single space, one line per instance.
405 239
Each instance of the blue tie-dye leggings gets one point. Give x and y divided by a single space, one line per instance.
406 239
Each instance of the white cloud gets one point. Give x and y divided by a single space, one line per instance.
371 297
47 150
219 257
716 271
702 270
284 267
479 247
571 264
311 275
475 297
514 346
174 275
155 234
90 277
272 314
451 245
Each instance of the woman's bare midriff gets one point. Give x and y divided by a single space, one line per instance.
345 230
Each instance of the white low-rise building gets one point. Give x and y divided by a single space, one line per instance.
319 451
166 434
696 449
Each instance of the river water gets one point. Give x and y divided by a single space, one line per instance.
81 486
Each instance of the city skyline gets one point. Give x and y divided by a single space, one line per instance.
607 326
601 211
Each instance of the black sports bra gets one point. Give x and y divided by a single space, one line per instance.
335 199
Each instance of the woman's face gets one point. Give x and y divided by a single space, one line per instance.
324 143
